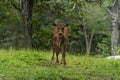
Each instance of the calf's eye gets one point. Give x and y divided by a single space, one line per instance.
62 28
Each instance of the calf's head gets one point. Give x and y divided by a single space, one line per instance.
60 28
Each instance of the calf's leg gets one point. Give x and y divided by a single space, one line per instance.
57 60
63 61
53 54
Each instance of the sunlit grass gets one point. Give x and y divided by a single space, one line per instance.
37 65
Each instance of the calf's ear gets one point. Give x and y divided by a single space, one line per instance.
54 24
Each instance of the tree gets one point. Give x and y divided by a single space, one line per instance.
115 30
94 21
27 9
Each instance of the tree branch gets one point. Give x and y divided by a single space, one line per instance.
15 6
74 5
109 11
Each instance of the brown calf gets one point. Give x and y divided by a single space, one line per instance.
59 41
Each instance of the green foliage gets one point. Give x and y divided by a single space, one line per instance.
36 65
104 46
107 3
118 51
96 17
42 37
11 29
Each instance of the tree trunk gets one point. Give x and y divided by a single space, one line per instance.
88 40
115 31
27 8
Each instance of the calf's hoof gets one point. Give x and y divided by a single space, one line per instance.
57 61
63 63
52 59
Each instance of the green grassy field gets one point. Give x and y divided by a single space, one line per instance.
36 65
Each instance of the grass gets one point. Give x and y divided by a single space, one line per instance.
36 65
